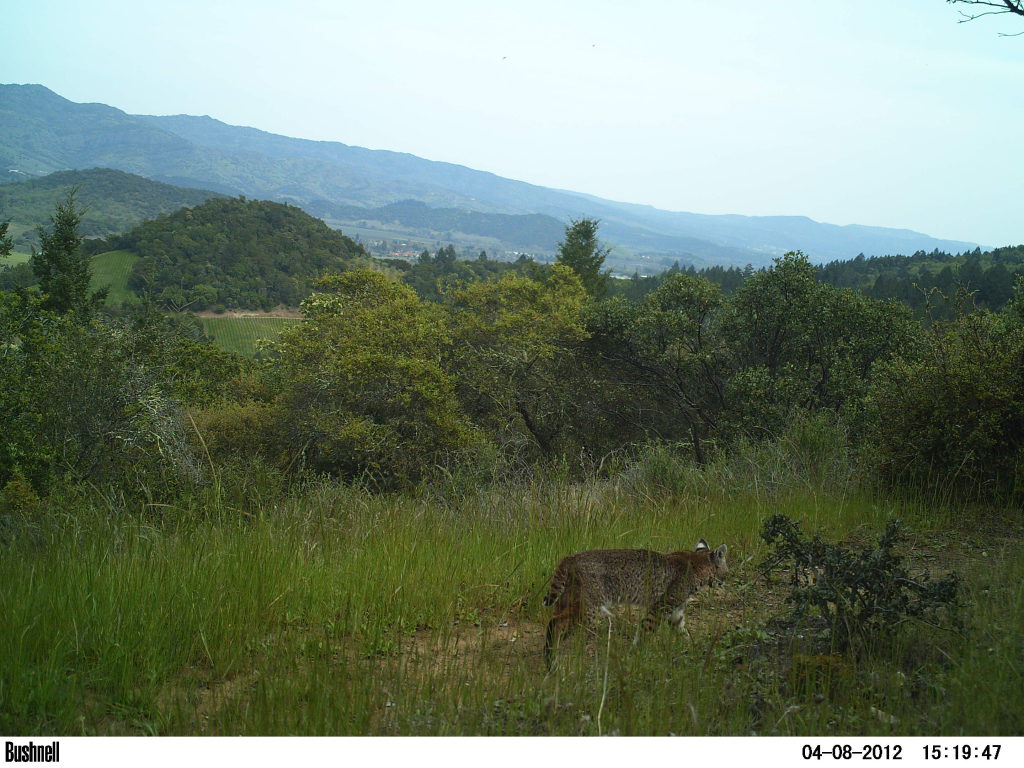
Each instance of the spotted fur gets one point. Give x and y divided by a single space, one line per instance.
585 586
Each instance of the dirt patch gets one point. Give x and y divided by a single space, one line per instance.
506 642
287 312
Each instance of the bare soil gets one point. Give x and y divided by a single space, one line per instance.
289 312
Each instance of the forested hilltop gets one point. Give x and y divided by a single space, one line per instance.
234 253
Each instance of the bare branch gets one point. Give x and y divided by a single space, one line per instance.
1015 7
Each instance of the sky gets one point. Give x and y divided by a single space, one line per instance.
877 112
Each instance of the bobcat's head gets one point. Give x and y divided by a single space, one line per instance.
718 565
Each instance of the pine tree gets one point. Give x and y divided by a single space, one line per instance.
60 265
581 252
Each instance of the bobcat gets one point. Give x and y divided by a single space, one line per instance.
586 585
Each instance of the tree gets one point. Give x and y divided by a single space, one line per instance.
952 412
581 252
990 8
5 241
797 344
79 401
665 349
62 268
512 351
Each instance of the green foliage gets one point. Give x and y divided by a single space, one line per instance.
176 351
795 343
433 276
665 350
235 253
581 252
238 430
78 403
696 366
858 594
6 246
62 269
950 414
362 390
929 282
20 507
513 352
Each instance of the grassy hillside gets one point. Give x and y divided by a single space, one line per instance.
111 270
242 334
413 219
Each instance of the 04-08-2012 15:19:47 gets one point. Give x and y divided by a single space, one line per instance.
895 752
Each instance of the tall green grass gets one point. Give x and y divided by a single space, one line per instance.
329 609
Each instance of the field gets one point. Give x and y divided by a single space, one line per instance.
242 333
327 609
16 257
112 269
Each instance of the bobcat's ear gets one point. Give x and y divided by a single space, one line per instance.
702 545
719 554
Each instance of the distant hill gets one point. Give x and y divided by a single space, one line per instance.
534 232
41 132
112 200
234 254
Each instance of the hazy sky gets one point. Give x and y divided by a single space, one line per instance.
881 112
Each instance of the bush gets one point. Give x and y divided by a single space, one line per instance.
237 430
857 594
78 401
952 417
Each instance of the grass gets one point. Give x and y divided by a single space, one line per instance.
242 334
111 270
15 257
332 610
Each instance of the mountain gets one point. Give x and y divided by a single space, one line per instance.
41 132
112 201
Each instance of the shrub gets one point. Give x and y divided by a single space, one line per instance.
953 416
857 593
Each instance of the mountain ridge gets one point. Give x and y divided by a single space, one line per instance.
41 131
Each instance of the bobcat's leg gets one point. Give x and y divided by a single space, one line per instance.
561 626
674 614
679 619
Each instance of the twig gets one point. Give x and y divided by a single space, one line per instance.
604 685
